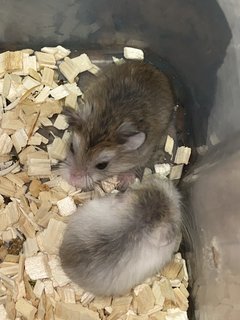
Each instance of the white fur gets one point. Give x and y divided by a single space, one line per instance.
136 263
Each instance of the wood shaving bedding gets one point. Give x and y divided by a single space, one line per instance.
35 201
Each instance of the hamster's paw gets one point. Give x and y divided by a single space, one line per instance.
125 180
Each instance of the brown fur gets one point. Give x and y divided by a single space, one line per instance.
125 100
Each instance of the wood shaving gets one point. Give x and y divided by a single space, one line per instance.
133 53
35 201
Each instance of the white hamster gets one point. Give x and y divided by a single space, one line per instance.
114 243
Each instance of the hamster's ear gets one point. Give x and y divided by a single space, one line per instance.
129 136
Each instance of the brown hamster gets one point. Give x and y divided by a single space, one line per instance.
114 243
121 124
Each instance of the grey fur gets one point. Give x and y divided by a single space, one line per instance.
114 243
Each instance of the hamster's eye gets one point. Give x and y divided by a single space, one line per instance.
71 147
102 165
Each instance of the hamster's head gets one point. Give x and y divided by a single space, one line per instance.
95 153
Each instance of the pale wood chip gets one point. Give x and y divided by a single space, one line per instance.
28 51
86 298
181 299
13 61
29 290
58 181
15 179
66 206
108 310
26 309
21 268
133 53
71 100
82 62
176 314
21 290
12 258
3 313
43 214
147 172
27 227
8 235
184 290
60 122
52 236
69 311
45 59
35 140
29 64
162 169
42 308
73 88
182 155
59 93
172 269
45 122
38 288
19 139
5 143
9 216
59 52
83 196
159 315
35 75
67 294
43 95
118 60
39 167
30 247
35 187
143 298
48 286
136 317
159 297
9 269
37 267
123 302
30 83
6 85
176 172
23 156
100 303
169 145
11 124
47 76
49 108
110 184
2 63
68 69
8 282
168 293
117 313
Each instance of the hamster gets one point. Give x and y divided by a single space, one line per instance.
121 125
114 243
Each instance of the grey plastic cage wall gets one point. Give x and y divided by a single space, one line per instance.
201 40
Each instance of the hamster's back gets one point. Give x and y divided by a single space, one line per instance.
114 243
133 91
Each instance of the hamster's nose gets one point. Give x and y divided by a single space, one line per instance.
78 179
